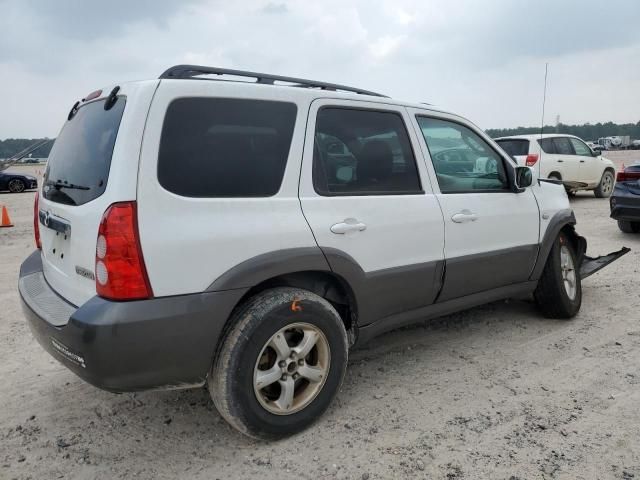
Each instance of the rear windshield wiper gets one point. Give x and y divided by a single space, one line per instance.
60 185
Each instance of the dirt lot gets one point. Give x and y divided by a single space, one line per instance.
493 392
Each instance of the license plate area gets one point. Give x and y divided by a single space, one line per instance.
59 238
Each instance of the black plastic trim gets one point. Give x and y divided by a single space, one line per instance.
256 270
561 219
429 312
377 294
389 291
591 265
469 274
165 342
193 71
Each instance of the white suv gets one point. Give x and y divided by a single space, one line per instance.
246 234
565 158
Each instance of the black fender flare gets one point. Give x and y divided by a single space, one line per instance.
563 219
373 295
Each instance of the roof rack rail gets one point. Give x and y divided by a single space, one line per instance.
194 71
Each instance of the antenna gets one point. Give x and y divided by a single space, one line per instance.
544 100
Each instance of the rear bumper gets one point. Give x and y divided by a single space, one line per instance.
625 205
166 342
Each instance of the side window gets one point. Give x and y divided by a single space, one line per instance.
563 146
463 161
547 145
580 148
225 147
363 152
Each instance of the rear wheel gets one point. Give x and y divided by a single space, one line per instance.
281 363
605 187
629 227
555 176
16 185
559 290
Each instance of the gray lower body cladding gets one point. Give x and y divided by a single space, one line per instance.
471 274
166 342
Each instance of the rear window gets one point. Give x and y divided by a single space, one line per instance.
223 147
514 147
79 162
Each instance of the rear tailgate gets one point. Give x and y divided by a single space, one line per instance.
93 163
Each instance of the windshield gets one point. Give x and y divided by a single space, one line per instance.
79 162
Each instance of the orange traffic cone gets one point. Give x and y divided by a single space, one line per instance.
5 221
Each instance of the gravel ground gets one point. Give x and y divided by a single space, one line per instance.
493 392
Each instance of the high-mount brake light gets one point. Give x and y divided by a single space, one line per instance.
92 95
120 270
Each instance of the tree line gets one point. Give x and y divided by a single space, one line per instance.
11 146
587 131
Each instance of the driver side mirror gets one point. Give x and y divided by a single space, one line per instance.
524 177
596 153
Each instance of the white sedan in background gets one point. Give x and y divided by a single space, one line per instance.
565 158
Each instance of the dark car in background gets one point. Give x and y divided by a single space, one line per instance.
625 200
17 182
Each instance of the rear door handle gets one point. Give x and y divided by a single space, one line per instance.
464 216
349 225
560 161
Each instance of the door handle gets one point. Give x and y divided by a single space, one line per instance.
464 216
349 225
560 161
581 161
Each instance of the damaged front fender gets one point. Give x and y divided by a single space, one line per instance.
590 265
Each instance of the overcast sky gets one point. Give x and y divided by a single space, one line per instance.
482 59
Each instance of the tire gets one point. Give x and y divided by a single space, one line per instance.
252 345
629 227
16 185
605 187
552 295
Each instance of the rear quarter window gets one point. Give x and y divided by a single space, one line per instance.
514 147
223 147
547 145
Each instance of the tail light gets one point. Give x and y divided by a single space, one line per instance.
626 176
531 160
36 221
120 270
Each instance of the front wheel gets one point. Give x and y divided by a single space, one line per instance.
629 227
280 364
559 290
605 187
16 186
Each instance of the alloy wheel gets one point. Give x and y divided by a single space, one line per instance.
291 369
16 186
568 272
